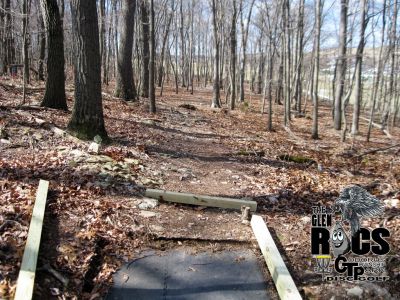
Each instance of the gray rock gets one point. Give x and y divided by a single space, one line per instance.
97 139
273 199
156 228
148 214
94 148
355 292
148 203
4 141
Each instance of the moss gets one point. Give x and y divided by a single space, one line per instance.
296 159
87 132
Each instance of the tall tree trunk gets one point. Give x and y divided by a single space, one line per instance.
125 88
245 33
87 119
378 75
233 45
317 33
392 47
54 96
25 43
216 87
42 45
341 65
9 45
182 54
144 10
299 69
359 60
103 56
164 44
152 88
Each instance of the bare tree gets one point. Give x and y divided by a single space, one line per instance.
87 119
317 33
359 61
216 86
152 89
54 96
245 34
341 65
125 87
233 46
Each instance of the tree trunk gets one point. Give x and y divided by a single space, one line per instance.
378 75
152 89
42 45
125 88
233 45
164 43
54 96
102 10
216 87
341 65
317 31
245 33
144 10
25 43
359 60
87 119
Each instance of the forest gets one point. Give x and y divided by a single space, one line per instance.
126 106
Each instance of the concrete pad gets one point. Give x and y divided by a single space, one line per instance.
177 274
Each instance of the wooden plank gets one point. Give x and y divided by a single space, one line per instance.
280 274
26 275
202 200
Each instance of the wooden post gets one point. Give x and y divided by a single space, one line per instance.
283 281
26 277
200 199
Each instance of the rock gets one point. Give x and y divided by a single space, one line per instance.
94 148
392 203
273 199
97 139
148 203
77 153
148 214
305 219
131 161
59 131
156 228
355 292
4 141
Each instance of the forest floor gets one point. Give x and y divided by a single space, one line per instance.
96 218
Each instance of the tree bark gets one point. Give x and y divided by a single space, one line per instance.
317 33
216 88
359 60
245 33
144 12
152 89
87 119
54 96
42 45
125 88
233 44
341 65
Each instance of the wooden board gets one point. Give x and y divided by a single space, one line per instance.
283 281
200 199
27 271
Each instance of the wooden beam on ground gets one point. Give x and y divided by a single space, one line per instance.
201 200
26 277
283 281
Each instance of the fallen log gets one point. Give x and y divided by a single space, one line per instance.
377 150
201 200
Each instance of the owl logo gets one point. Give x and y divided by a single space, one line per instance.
339 240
